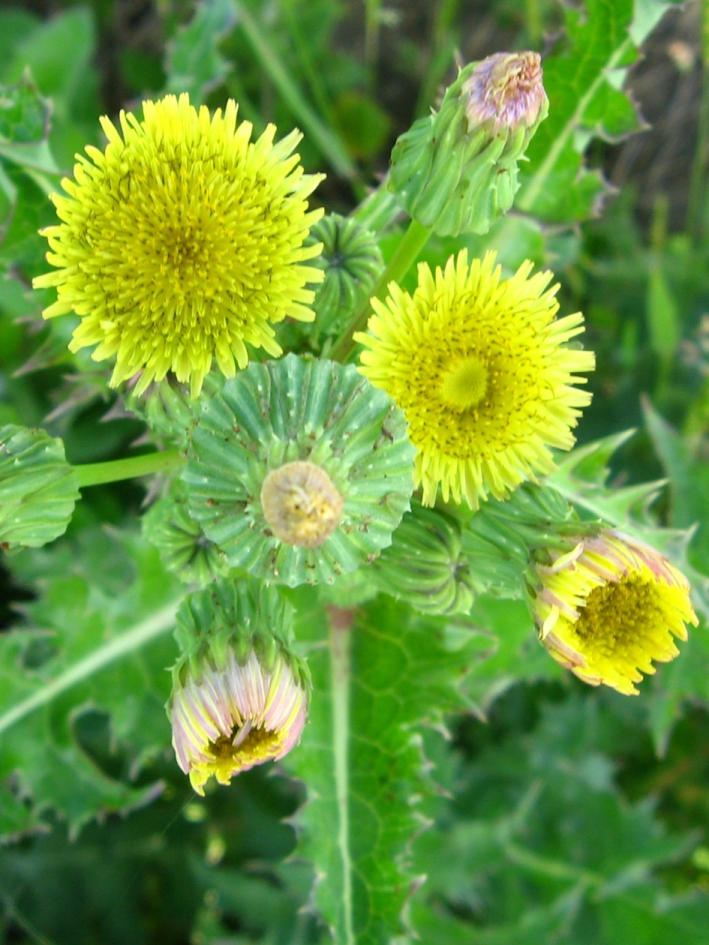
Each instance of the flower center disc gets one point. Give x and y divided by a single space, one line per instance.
620 618
301 504
245 747
465 384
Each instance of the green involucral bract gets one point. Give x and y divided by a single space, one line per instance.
295 415
38 487
352 261
425 565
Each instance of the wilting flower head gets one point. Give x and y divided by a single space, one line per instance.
506 89
182 242
480 366
300 470
239 696
611 606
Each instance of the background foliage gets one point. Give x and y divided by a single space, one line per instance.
536 809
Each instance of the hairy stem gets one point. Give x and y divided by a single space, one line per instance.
94 474
405 254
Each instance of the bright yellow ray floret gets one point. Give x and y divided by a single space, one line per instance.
182 242
609 607
480 366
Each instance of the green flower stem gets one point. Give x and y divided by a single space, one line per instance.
94 474
405 254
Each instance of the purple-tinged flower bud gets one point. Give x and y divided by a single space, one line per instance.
609 607
456 170
227 720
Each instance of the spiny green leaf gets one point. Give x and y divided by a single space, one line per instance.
547 846
583 82
379 675
97 639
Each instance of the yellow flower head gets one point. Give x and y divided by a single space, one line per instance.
610 607
182 242
480 367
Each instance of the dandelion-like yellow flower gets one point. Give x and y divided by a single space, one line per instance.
480 367
182 242
609 607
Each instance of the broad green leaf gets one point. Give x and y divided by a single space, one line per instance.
380 674
24 114
57 53
38 488
583 81
96 639
512 653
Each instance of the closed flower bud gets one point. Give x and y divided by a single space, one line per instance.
352 262
239 696
609 607
456 170
425 564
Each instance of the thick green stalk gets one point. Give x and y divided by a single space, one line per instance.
94 474
406 253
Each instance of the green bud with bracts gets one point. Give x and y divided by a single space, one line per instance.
456 170
425 564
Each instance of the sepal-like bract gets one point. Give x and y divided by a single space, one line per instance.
456 170
425 565
38 488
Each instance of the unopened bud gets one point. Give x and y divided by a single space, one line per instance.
456 171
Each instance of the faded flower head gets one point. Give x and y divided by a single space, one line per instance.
506 89
609 607
299 470
301 504
182 242
481 369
